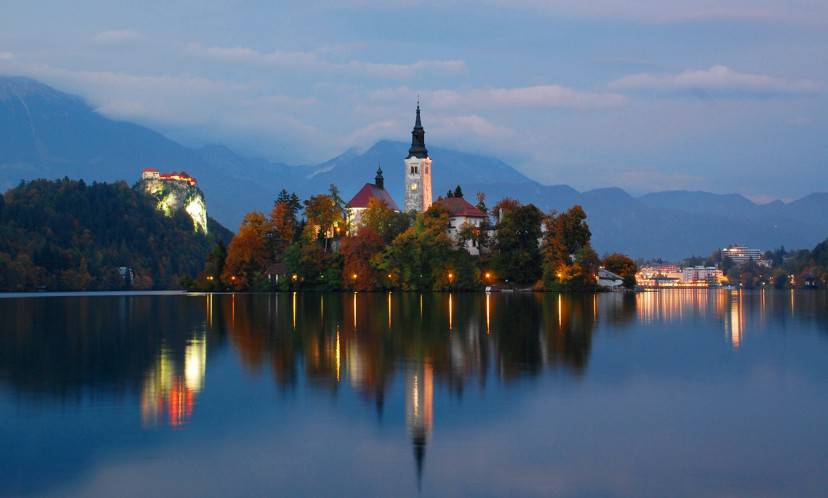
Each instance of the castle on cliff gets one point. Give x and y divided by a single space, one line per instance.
176 191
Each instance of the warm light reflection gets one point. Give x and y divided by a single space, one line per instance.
389 310
419 410
293 307
488 314
168 391
450 312
338 356
355 310
560 312
734 325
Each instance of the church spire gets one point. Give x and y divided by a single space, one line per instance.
379 181
418 148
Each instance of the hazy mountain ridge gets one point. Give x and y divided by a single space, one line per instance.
45 133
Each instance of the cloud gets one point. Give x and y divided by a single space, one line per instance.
718 80
117 36
462 126
313 60
530 97
649 11
6 56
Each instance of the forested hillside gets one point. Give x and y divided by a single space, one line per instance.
67 235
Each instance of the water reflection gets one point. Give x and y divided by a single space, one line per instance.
171 390
156 352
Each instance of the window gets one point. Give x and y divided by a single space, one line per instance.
426 170
413 186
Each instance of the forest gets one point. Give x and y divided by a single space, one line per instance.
308 245
66 235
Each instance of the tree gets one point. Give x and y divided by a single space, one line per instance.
516 255
325 220
357 252
283 225
418 259
623 266
247 255
385 222
458 192
569 262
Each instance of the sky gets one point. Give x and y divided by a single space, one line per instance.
647 95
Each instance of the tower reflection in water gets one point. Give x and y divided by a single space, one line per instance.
429 345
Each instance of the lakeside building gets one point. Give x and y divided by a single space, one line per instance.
742 255
674 276
359 203
608 279
463 215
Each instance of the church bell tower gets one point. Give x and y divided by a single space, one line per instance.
417 171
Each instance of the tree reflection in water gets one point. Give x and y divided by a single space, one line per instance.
157 348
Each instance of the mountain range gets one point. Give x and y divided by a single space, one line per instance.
45 133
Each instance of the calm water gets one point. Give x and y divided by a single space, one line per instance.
678 393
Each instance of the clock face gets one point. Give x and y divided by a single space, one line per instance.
413 186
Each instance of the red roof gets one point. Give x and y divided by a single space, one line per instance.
370 191
457 206
147 170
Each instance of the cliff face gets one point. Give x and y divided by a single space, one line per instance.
177 192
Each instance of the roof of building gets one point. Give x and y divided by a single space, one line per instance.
457 206
370 191
605 274
150 170
418 148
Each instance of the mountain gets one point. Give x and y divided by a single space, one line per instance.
45 133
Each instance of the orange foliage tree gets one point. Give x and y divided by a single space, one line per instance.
247 254
357 252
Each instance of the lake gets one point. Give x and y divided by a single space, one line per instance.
677 393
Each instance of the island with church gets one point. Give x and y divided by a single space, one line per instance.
431 244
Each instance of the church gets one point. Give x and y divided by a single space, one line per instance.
417 193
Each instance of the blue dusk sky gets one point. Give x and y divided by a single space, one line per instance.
724 96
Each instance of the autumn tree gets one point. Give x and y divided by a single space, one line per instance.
247 254
384 221
569 262
324 219
357 253
283 224
622 266
418 258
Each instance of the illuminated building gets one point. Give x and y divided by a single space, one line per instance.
362 199
742 255
462 214
417 171
176 191
673 276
